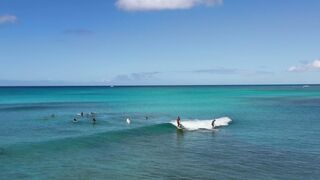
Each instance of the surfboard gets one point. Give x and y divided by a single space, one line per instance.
128 121
180 127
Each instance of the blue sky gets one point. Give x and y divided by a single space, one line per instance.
163 42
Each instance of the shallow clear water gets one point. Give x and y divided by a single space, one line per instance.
273 135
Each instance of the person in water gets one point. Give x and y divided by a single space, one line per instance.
179 121
93 120
75 120
212 124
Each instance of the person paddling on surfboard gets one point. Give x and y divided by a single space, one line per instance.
179 121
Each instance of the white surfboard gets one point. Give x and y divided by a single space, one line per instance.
128 120
180 127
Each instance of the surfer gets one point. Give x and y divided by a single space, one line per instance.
179 121
75 120
93 120
212 123
81 114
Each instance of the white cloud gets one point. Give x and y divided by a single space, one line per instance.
147 5
315 65
7 19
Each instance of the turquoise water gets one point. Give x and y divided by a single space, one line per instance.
274 133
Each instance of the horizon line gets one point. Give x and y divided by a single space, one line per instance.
177 85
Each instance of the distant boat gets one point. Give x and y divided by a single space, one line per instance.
305 86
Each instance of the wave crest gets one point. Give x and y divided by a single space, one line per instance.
196 124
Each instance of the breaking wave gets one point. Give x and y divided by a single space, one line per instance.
196 124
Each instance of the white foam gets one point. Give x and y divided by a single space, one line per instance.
203 124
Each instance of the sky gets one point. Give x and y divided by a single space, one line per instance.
159 42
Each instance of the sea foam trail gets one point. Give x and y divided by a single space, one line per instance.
203 124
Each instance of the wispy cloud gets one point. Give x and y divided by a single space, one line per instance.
80 31
147 5
134 78
311 66
217 71
144 75
231 71
7 19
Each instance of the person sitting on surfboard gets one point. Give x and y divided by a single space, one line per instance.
179 121
212 124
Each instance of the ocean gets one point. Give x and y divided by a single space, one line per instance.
263 132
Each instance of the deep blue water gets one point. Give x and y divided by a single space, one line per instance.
274 132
